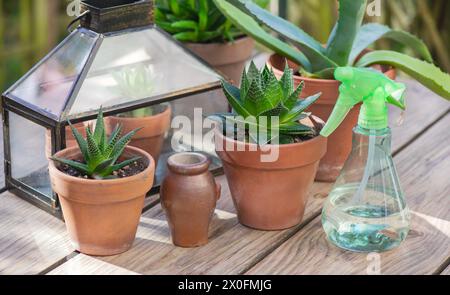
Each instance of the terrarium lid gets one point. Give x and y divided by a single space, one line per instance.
116 70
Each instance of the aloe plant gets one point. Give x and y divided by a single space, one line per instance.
100 154
262 97
197 21
347 41
136 82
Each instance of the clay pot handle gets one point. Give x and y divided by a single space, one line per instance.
218 190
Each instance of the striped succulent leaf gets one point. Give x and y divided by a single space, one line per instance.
100 153
262 96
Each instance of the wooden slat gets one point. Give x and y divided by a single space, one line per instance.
232 247
423 108
85 265
423 168
31 240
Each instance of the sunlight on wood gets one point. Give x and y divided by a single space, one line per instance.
441 225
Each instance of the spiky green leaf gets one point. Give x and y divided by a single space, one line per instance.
292 99
82 144
309 46
249 26
74 164
232 93
299 108
351 14
370 33
426 73
287 82
99 127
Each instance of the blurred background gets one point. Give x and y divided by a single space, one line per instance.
30 28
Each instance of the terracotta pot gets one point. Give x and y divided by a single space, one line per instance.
102 215
340 142
270 195
70 140
188 196
151 137
228 58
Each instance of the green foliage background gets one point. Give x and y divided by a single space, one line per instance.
30 28
428 19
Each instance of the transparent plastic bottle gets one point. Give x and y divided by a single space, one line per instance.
366 210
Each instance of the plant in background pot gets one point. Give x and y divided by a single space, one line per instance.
139 82
207 32
269 193
101 185
315 63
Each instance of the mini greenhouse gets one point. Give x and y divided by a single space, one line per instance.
79 77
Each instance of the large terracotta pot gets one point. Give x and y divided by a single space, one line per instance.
102 215
70 139
228 58
188 196
340 142
151 137
270 195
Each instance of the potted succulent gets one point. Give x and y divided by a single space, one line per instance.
269 193
315 63
138 82
101 185
207 32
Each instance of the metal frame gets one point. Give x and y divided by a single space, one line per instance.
11 103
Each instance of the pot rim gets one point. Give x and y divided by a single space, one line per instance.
288 145
239 40
199 166
308 79
83 181
167 112
311 151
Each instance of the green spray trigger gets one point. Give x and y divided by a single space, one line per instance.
370 87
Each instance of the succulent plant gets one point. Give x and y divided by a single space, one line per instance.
196 21
100 154
261 97
347 41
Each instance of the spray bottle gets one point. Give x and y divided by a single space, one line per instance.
366 209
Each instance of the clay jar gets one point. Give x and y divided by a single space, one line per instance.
270 195
102 215
151 137
340 141
228 58
188 196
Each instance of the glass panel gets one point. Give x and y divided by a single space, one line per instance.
185 136
49 86
29 163
139 65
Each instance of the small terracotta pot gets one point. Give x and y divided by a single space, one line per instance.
340 141
188 196
151 137
102 215
270 195
228 58
70 140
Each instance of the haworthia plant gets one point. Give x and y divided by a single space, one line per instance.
100 154
262 97
345 45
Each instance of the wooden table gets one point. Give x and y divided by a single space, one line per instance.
33 242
